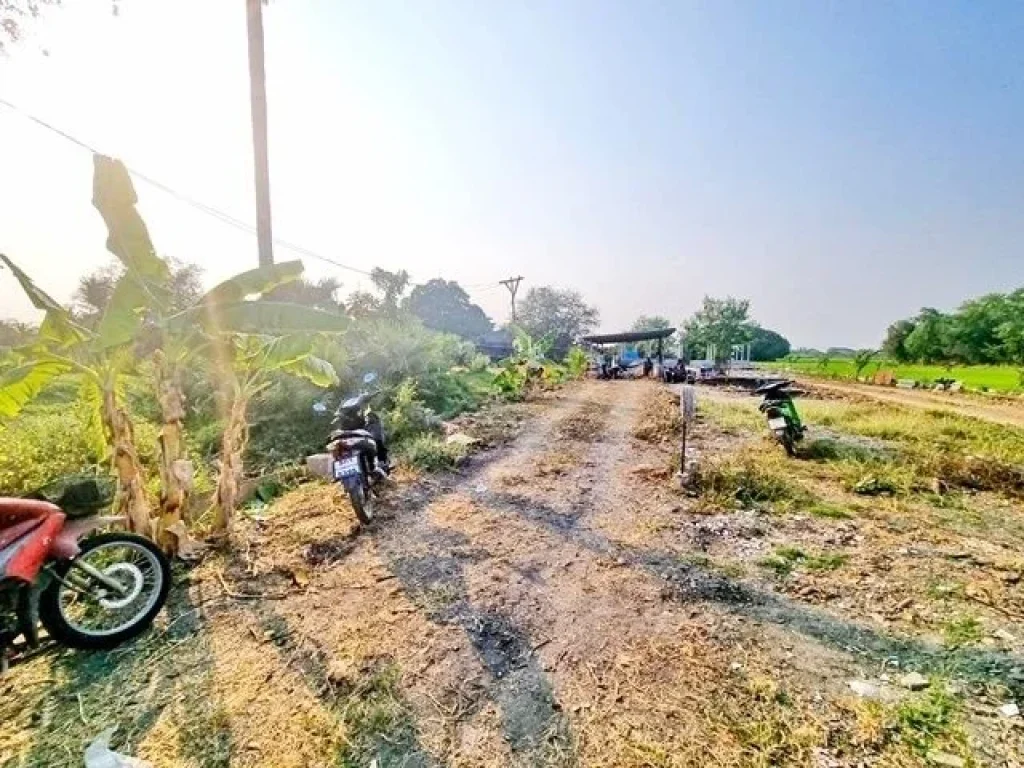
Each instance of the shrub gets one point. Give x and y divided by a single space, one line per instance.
577 363
43 444
283 426
408 417
962 630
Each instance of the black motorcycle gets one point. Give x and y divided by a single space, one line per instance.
359 454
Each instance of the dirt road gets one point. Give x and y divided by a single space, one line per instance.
553 604
996 412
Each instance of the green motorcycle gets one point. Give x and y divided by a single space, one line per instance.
783 419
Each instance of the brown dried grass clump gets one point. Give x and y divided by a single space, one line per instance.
585 424
660 420
678 701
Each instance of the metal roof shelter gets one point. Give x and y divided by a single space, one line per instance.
631 337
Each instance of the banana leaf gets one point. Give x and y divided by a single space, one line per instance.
258 317
19 385
313 369
123 315
254 282
113 195
57 325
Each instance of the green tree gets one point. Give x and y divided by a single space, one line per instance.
444 306
766 345
322 294
652 323
721 323
559 315
99 359
362 304
929 341
974 330
246 363
895 344
391 286
14 333
142 299
183 288
1011 330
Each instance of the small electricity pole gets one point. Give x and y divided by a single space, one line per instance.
258 101
513 287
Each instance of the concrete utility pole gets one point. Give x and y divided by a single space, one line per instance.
513 287
258 99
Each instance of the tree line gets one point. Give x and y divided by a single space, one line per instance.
721 323
985 330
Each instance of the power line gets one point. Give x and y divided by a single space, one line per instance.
216 213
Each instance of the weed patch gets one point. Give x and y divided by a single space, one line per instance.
920 722
731 418
961 631
379 724
785 559
830 511
958 451
748 481
429 452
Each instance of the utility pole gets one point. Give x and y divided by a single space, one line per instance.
513 287
258 100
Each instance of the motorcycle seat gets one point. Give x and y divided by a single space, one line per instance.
773 388
344 434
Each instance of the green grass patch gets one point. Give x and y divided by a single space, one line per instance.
732 418
430 452
749 480
923 721
830 511
961 631
379 725
998 378
785 559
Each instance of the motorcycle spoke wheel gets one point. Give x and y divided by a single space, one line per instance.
100 611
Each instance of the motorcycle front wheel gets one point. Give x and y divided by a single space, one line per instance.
80 612
362 504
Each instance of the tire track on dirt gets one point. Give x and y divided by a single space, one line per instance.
429 562
612 460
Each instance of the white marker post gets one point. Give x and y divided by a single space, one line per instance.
688 410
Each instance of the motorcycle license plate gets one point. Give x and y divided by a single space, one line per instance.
346 467
778 423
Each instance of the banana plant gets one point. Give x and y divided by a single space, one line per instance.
104 356
245 364
180 339
64 347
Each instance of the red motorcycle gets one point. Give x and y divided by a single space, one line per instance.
88 591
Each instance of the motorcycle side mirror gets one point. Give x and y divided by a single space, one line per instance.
370 377
319 407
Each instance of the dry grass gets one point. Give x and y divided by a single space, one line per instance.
585 424
660 420
748 478
683 700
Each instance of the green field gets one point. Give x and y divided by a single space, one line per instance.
996 378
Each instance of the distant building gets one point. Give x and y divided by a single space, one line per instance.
496 344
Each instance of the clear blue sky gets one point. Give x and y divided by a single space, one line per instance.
840 164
